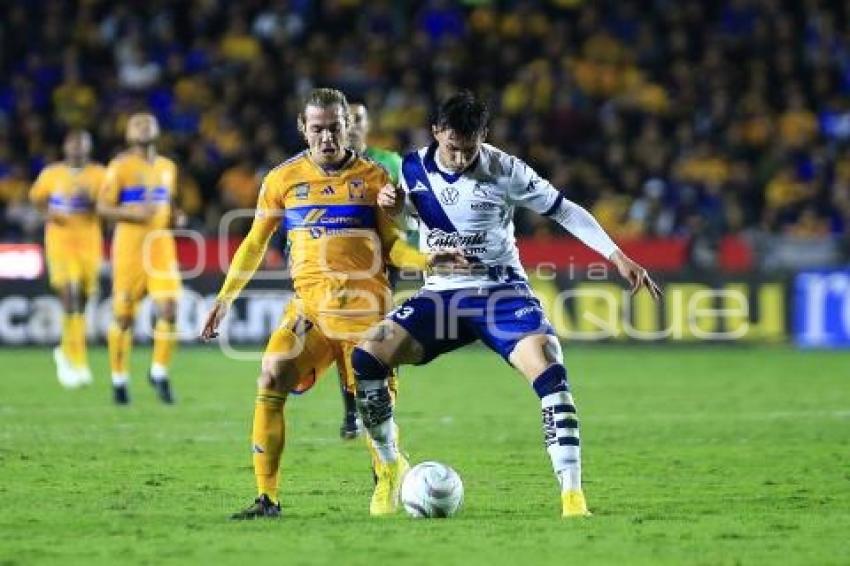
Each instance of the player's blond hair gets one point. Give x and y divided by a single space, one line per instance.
322 98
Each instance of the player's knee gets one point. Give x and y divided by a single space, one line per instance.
277 374
551 380
80 301
67 298
266 380
168 311
367 365
124 322
533 354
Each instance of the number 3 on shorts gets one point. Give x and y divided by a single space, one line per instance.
403 312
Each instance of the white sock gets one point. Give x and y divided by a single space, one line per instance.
560 430
158 372
375 406
384 440
120 379
570 478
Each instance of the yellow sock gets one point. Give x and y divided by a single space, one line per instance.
267 440
119 343
163 342
66 342
76 330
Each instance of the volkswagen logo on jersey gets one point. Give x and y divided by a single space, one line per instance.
449 195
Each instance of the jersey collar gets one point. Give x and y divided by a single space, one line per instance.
350 157
430 162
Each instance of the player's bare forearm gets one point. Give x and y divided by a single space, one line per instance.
120 213
56 218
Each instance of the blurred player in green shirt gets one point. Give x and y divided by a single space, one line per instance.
358 134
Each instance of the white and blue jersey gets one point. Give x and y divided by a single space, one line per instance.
473 211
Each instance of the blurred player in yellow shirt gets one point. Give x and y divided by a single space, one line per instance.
339 243
66 192
137 195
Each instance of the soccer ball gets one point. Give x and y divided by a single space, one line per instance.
431 489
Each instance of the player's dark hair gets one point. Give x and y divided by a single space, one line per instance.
463 113
322 98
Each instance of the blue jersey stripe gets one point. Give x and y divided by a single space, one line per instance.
160 194
329 216
136 194
427 206
76 203
129 195
554 206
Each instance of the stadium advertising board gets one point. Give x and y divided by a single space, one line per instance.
821 306
691 310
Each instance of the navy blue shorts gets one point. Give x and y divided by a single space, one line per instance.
442 321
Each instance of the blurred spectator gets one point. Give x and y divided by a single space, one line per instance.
666 118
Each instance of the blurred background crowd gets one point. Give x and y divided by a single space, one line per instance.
663 117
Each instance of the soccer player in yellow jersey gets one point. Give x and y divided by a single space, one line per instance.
66 192
339 242
137 195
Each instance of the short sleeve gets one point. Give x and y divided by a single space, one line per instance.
98 177
108 192
40 190
529 190
266 202
270 206
394 167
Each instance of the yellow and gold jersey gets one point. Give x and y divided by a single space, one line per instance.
72 192
338 238
132 180
74 244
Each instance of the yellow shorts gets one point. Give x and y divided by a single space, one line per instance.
74 262
314 347
132 279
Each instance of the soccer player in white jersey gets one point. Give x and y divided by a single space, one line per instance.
464 193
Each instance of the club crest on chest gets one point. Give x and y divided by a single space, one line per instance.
356 189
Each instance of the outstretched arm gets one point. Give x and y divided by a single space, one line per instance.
580 223
397 251
402 255
243 266
533 192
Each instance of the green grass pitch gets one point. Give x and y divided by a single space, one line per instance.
691 456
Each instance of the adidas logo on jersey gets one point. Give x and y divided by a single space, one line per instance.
329 190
